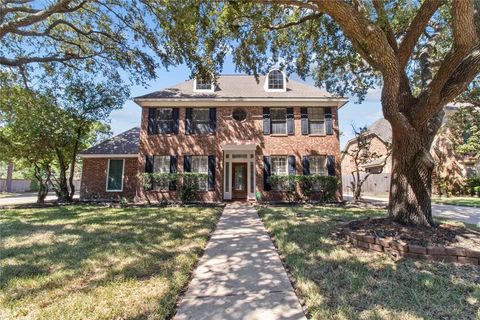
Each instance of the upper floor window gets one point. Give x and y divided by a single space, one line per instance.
275 81
201 120
203 84
163 121
316 117
279 120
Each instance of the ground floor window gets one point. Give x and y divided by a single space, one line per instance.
161 164
115 175
318 165
279 168
200 165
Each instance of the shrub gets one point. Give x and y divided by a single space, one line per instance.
471 184
477 191
190 186
327 186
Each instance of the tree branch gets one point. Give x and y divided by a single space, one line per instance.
55 58
382 20
416 29
294 23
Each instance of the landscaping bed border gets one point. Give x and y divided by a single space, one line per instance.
401 249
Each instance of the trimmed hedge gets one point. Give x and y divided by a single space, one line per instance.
326 186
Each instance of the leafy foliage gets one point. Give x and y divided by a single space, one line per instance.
188 183
325 187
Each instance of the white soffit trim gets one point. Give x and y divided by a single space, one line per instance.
108 155
239 102
237 147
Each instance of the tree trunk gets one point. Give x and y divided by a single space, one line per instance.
62 188
8 187
411 182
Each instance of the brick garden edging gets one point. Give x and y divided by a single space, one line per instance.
401 249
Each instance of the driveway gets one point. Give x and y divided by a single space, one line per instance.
465 214
25 198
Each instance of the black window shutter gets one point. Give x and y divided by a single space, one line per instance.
304 120
173 169
213 120
290 122
266 173
152 123
306 165
329 121
149 168
211 173
175 118
149 164
291 165
266 121
188 121
187 164
331 165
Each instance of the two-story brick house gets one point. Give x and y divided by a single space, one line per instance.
237 131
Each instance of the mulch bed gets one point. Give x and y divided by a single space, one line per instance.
443 235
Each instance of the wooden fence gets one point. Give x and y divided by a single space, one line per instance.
376 184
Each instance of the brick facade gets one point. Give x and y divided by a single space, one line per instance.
229 130
94 179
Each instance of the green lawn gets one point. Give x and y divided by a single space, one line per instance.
7 194
339 282
458 201
90 262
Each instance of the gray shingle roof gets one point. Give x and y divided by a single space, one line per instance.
382 129
238 86
125 143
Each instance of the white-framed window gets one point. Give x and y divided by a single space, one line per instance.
164 119
279 166
115 175
161 164
201 120
316 120
318 165
203 84
200 165
276 80
278 118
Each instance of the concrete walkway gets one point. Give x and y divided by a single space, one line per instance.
240 276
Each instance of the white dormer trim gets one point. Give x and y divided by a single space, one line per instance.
212 87
265 84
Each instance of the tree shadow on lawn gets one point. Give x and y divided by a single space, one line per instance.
336 280
82 247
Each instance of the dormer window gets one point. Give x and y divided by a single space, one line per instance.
202 84
275 81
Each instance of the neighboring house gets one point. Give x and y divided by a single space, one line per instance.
380 133
236 131
449 164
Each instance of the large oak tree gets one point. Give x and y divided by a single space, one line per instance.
423 53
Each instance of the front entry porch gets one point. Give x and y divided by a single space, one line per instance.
239 171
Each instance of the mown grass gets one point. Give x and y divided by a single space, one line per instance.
336 281
458 201
90 262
